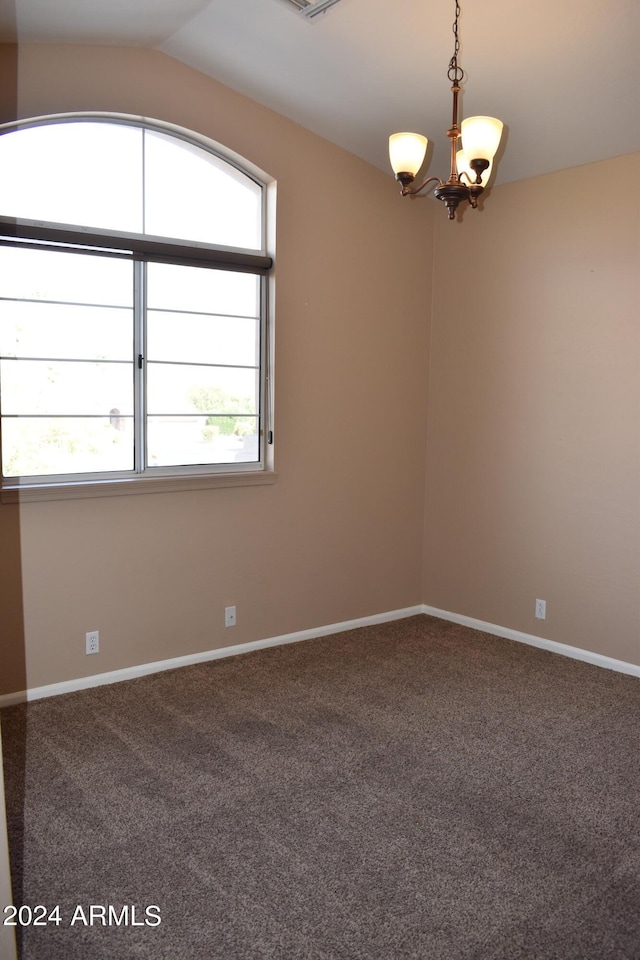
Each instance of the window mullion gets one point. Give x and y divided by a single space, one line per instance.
139 365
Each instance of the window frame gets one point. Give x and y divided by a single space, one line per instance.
145 248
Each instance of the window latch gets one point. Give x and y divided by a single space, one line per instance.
140 359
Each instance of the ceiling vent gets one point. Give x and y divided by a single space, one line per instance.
312 8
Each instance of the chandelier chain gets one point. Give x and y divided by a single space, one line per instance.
455 73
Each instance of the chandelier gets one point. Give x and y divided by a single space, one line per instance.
480 138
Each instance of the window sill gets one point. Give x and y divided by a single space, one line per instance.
27 493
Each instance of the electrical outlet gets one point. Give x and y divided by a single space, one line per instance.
92 640
229 616
541 609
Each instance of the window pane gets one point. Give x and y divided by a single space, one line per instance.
201 415
179 441
200 290
187 389
212 317
85 173
209 200
36 447
65 331
183 337
65 277
61 416
59 388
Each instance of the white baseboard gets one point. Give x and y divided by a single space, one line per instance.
609 663
144 669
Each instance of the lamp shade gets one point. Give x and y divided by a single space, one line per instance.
481 137
463 163
406 152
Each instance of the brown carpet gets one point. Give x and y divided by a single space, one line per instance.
411 791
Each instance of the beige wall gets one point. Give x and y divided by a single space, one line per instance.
339 535
533 479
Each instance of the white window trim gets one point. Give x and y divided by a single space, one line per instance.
87 489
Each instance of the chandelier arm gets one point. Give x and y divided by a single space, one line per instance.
411 191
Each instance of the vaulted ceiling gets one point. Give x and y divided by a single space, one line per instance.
563 77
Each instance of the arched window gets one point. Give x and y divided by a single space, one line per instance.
132 307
